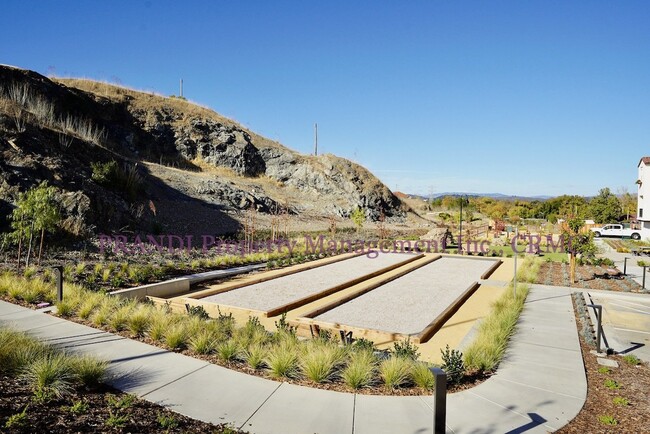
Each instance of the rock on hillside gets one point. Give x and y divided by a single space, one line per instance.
56 129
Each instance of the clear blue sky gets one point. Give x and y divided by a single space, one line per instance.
518 97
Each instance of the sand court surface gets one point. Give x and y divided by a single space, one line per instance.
268 295
408 304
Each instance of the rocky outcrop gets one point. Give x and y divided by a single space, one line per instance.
139 127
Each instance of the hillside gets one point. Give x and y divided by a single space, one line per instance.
128 160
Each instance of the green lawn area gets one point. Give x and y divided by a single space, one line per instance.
553 256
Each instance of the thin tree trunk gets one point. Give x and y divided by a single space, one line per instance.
29 248
572 271
40 249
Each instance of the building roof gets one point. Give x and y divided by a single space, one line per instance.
645 160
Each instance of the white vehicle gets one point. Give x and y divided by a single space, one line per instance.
616 230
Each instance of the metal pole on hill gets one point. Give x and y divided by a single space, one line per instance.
460 228
181 91
315 139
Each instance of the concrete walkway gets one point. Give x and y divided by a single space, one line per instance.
539 387
632 269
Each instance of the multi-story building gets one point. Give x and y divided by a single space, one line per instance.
643 197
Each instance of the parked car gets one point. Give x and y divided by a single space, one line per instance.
616 230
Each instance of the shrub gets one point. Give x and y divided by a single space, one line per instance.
452 364
607 419
395 371
167 421
198 311
282 361
49 376
78 407
65 308
88 306
406 349
631 359
103 312
360 370
17 420
363 344
611 384
619 400
17 350
422 376
604 370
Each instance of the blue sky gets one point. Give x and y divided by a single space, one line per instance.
518 97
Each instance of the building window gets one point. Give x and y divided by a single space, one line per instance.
640 212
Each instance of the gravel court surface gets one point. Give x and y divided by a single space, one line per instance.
277 292
408 304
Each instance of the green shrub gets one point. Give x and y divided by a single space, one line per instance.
120 317
604 370
395 371
607 419
17 350
167 421
422 376
631 359
160 322
78 407
88 306
17 420
611 384
406 349
116 420
452 364
619 400
360 370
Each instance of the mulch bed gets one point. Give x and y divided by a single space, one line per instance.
634 384
54 416
557 274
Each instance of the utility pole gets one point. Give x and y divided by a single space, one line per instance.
315 139
181 94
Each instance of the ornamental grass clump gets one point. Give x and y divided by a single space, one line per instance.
255 355
139 321
176 336
360 370
49 376
395 372
203 342
89 370
422 376
320 362
282 360
228 351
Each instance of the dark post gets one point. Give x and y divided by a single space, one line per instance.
440 404
460 228
624 266
58 274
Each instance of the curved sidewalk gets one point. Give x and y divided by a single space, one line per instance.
539 387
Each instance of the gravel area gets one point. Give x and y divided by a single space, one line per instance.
408 304
277 292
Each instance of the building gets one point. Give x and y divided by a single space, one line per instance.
643 197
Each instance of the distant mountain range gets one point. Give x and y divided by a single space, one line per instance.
499 196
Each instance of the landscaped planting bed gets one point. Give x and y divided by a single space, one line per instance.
322 362
44 390
617 398
557 274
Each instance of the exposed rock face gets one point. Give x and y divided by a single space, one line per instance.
140 127
219 145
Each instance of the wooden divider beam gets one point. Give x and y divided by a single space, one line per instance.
437 323
491 270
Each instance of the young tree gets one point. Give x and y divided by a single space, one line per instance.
37 211
577 243
358 217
